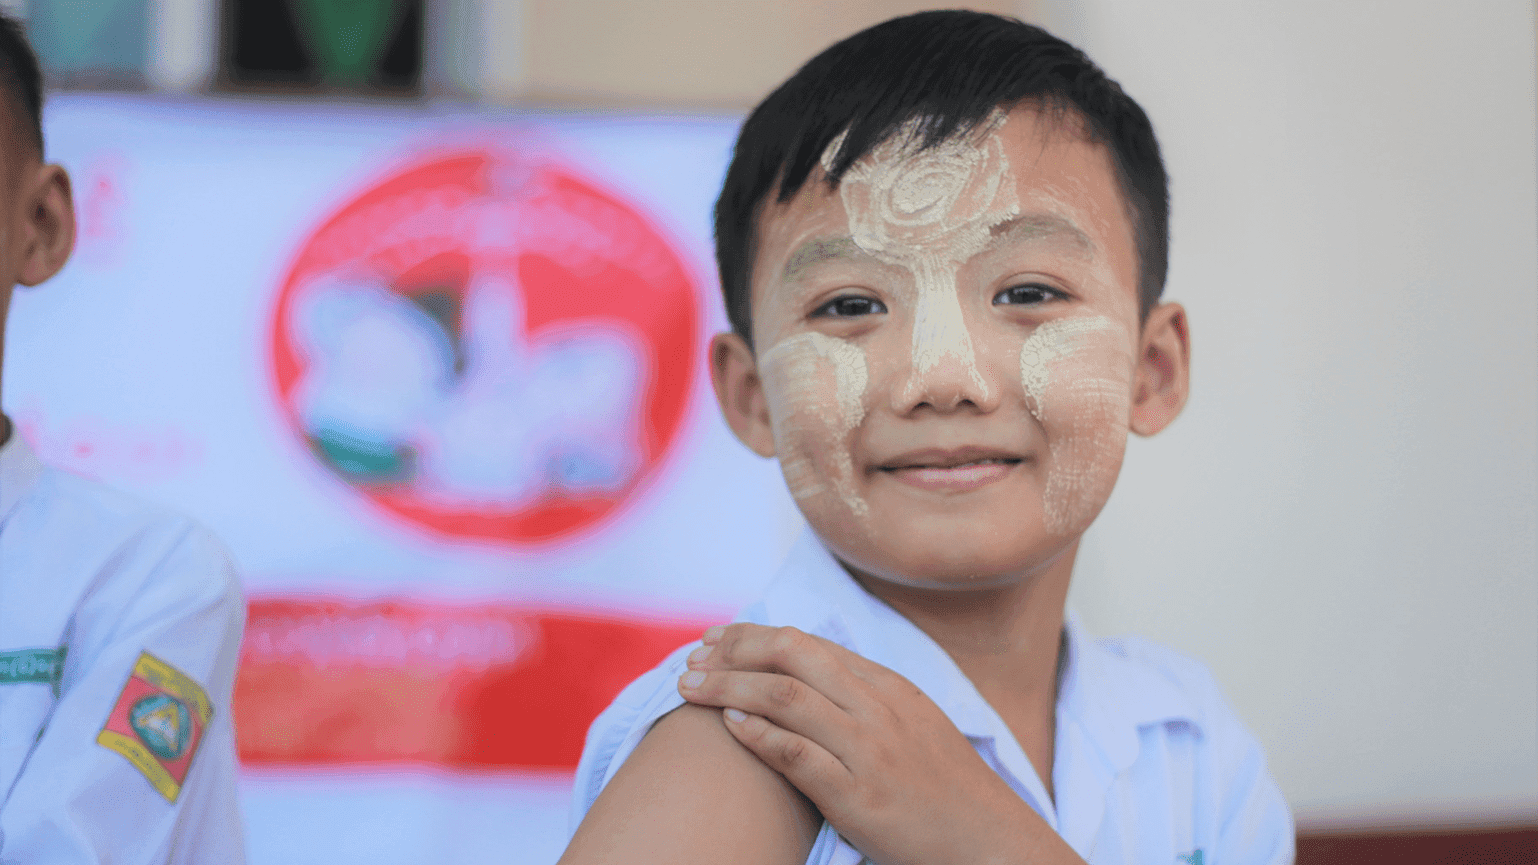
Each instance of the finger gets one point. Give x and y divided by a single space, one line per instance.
862 667
808 766
789 651
753 647
744 632
786 701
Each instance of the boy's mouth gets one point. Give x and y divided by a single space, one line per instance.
955 470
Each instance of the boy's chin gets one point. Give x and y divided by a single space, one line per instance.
949 563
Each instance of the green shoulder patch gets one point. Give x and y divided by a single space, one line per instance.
42 666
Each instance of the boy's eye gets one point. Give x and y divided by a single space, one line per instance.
849 306
1030 293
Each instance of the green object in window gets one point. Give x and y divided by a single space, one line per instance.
347 38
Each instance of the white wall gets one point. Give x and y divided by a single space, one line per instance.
1342 524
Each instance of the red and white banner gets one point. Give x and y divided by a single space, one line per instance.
439 382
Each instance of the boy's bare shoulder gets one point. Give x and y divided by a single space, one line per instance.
691 793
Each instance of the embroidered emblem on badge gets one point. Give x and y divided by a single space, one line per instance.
163 725
157 723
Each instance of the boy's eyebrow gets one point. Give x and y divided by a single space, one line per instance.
820 249
1032 226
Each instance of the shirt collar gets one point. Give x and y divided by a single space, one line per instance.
1109 691
1113 691
19 471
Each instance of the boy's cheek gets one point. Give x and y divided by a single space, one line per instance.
817 377
819 476
1084 412
815 386
1085 388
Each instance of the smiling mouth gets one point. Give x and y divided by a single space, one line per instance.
950 472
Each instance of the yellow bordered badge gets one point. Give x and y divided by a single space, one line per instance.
158 723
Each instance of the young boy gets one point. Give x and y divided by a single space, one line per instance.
120 623
942 245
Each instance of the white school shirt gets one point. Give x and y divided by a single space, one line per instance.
114 616
1150 764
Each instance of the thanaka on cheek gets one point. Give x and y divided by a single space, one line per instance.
815 387
1077 374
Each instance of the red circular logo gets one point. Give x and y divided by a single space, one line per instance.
487 346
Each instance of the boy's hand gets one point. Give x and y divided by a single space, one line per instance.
881 761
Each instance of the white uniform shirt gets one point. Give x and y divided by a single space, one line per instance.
1150 764
120 629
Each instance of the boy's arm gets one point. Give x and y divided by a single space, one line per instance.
690 793
881 761
78 800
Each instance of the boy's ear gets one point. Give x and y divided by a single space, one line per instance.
1163 369
740 392
47 223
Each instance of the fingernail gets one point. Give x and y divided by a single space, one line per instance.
692 679
699 655
713 634
736 716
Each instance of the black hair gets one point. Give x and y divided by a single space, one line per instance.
947 71
22 79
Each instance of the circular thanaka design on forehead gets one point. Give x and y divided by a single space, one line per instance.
815 387
1077 376
929 211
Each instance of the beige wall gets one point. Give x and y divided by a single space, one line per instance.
688 53
670 54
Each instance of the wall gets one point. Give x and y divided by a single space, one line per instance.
1342 523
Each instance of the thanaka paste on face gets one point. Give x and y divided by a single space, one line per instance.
1077 376
927 212
930 211
1069 371
930 217
796 386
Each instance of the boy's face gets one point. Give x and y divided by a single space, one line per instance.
948 351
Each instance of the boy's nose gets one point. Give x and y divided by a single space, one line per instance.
943 373
948 384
